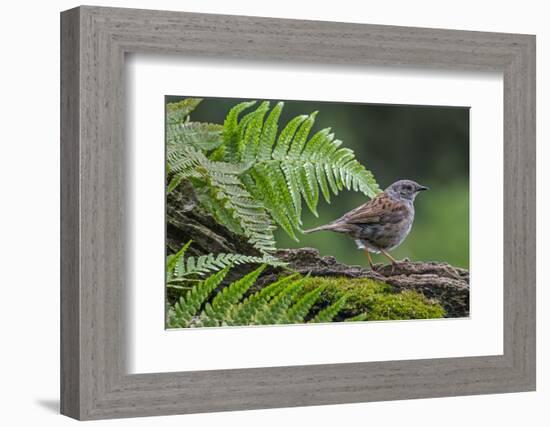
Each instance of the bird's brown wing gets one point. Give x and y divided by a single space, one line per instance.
381 209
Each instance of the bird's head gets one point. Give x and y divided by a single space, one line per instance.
405 189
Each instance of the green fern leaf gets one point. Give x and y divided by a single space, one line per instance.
285 138
204 136
248 149
208 198
309 188
275 311
178 112
245 312
322 179
285 198
269 132
235 201
180 268
182 162
174 182
188 305
256 179
217 311
292 176
327 314
300 309
314 148
301 136
172 260
231 132
299 168
266 189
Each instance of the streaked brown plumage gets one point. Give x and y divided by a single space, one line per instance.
382 223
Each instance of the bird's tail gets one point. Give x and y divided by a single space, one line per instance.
320 228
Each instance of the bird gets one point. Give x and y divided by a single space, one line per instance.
382 223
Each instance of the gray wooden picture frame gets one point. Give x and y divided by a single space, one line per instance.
94 382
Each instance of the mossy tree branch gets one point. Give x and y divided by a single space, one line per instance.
186 221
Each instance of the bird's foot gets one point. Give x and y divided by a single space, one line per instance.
376 267
398 263
395 265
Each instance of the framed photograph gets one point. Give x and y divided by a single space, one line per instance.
262 213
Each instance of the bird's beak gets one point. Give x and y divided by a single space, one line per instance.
422 188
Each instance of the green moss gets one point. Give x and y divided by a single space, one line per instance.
367 299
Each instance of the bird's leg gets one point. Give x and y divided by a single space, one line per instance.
367 253
392 259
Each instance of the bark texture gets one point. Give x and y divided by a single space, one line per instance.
449 285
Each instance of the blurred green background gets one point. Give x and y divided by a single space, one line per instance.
428 144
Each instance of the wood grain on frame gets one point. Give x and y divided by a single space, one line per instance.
94 41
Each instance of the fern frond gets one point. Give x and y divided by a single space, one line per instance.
293 186
203 264
172 260
300 138
275 311
181 314
231 132
255 178
182 162
265 187
245 312
223 181
208 199
300 309
216 312
253 219
174 182
249 144
204 136
293 166
328 313
178 112
285 138
269 132
281 302
309 188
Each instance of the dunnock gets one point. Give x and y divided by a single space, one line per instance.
382 223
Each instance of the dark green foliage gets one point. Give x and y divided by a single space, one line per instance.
330 312
275 311
216 313
301 308
245 312
178 112
185 308
281 302
295 299
251 177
